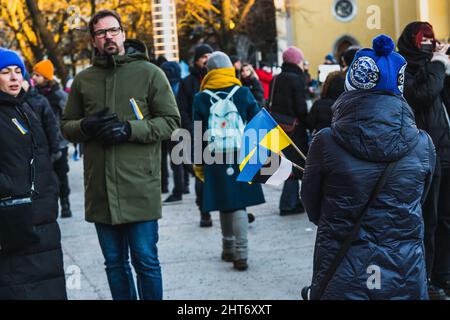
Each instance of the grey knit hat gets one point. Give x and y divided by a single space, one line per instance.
218 60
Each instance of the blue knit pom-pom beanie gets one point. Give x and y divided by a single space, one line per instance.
11 58
379 68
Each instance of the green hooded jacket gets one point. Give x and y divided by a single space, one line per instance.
123 182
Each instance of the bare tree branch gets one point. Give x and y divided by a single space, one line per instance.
47 39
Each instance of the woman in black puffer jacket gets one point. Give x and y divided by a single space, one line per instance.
288 101
34 271
372 126
425 91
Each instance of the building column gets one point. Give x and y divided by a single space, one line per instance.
397 19
423 10
282 20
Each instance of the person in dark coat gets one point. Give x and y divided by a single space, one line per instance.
321 114
288 97
446 93
43 76
250 79
189 87
428 67
44 111
221 191
164 144
36 271
348 56
372 127
180 173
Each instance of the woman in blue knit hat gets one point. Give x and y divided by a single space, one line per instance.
31 260
364 182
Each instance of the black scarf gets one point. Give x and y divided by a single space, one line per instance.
292 68
49 92
11 101
407 48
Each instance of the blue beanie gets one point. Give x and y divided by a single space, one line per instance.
172 70
11 58
380 68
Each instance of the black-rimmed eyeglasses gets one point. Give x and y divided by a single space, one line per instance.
112 31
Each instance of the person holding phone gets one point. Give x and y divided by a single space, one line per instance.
425 90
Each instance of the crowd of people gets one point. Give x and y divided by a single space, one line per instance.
377 140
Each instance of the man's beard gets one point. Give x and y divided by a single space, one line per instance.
110 52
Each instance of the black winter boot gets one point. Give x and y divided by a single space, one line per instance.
205 220
65 208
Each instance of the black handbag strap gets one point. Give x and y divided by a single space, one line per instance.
274 80
348 241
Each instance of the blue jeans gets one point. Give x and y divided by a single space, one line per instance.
140 240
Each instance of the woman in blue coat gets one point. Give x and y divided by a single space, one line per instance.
372 126
221 191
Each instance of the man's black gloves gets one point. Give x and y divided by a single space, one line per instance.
106 127
115 132
91 125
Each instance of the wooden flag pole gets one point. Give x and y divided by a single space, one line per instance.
298 150
293 164
285 134
298 167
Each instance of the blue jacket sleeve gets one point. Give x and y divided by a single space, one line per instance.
311 191
184 102
432 162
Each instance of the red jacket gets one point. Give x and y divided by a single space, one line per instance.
265 78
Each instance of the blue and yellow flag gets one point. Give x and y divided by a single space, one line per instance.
261 135
136 109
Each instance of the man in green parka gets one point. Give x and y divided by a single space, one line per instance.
121 108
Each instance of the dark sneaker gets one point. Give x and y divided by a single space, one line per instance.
240 265
205 220
227 257
172 199
251 217
65 208
436 293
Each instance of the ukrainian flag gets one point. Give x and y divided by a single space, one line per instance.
261 135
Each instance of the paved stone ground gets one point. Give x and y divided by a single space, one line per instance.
280 252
